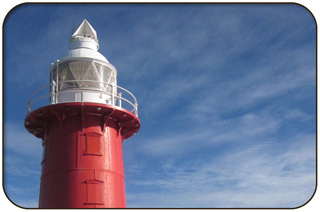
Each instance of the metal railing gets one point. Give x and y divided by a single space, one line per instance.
116 98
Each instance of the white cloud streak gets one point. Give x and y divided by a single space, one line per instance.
249 128
22 158
256 168
23 197
19 140
257 176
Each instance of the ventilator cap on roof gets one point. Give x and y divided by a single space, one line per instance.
85 30
84 37
84 44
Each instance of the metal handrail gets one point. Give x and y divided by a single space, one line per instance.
55 92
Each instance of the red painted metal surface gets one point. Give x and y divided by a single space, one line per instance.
82 164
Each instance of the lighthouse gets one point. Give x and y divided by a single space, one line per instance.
82 124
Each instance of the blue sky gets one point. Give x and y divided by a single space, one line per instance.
226 93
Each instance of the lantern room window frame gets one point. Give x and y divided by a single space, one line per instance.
82 73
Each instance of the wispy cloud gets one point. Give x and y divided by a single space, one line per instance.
20 141
23 197
22 158
249 127
250 165
257 176
28 203
242 62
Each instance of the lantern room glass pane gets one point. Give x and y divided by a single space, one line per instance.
83 74
66 78
107 75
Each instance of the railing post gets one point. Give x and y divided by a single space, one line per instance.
57 83
119 99
112 94
52 86
53 92
136 109
57 78
29 107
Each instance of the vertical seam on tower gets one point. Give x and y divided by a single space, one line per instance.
119 165
109 165
82 117
77 141
108 140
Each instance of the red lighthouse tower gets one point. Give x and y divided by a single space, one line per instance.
82 129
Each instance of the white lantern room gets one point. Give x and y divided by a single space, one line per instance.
83 74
